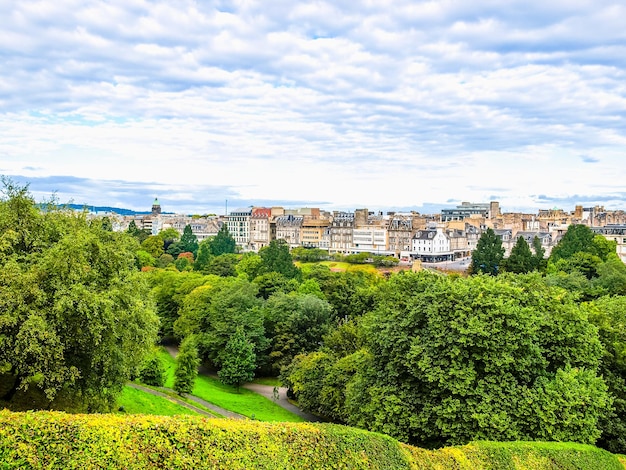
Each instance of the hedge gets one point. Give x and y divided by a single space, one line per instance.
51 440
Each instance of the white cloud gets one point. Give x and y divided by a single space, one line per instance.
368 103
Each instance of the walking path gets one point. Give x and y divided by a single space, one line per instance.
265 390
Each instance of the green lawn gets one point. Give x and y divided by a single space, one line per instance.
139 402
244 402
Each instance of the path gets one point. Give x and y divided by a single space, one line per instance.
268 392
265 390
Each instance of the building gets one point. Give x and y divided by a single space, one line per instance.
616 233
466 210
238 223
432 245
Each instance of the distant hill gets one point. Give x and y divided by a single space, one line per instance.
108 209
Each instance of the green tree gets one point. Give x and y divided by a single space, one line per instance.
488 255
250 265
136 232
276 258
609 315
448 360
538 255
153 245
75 316
238 360
521 258
188 241
294 324
580 238
187 363
223 243
204 255
223 265
214 311
153 372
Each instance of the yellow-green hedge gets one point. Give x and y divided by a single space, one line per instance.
55 440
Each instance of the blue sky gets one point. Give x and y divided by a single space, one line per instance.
345 104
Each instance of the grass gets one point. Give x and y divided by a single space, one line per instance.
139 402
272 381
243 402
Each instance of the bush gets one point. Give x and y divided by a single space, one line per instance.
58 440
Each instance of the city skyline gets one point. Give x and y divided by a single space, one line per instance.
338 105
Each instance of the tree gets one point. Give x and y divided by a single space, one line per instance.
214 311
295 324
578 238
448 360
153 245
521 258
539 254
276 258
488 255
238 360
75 316
223 243
153 372
609 315
188 241
187 363
204 255
223 265
136 232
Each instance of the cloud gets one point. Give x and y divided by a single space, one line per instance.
269 99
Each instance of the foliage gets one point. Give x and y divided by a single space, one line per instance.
188 241
538 255
521 259
488 255
609 315
153 245
144 259
187 363
276 258
238 360
184 261
223 265
58 440
296 323
214 311
449 360
136 232
153 372
223 243
169 288
309 255
358 258
580 238
250 265
75 315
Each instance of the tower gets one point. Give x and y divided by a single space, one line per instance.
156 207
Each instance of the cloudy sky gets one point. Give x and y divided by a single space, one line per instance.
390 105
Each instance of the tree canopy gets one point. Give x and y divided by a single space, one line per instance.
488 255
75 316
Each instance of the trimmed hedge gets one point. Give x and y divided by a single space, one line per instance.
516 455
58 440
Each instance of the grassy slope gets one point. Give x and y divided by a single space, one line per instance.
244 402
139 402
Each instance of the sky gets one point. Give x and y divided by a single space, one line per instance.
387 105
